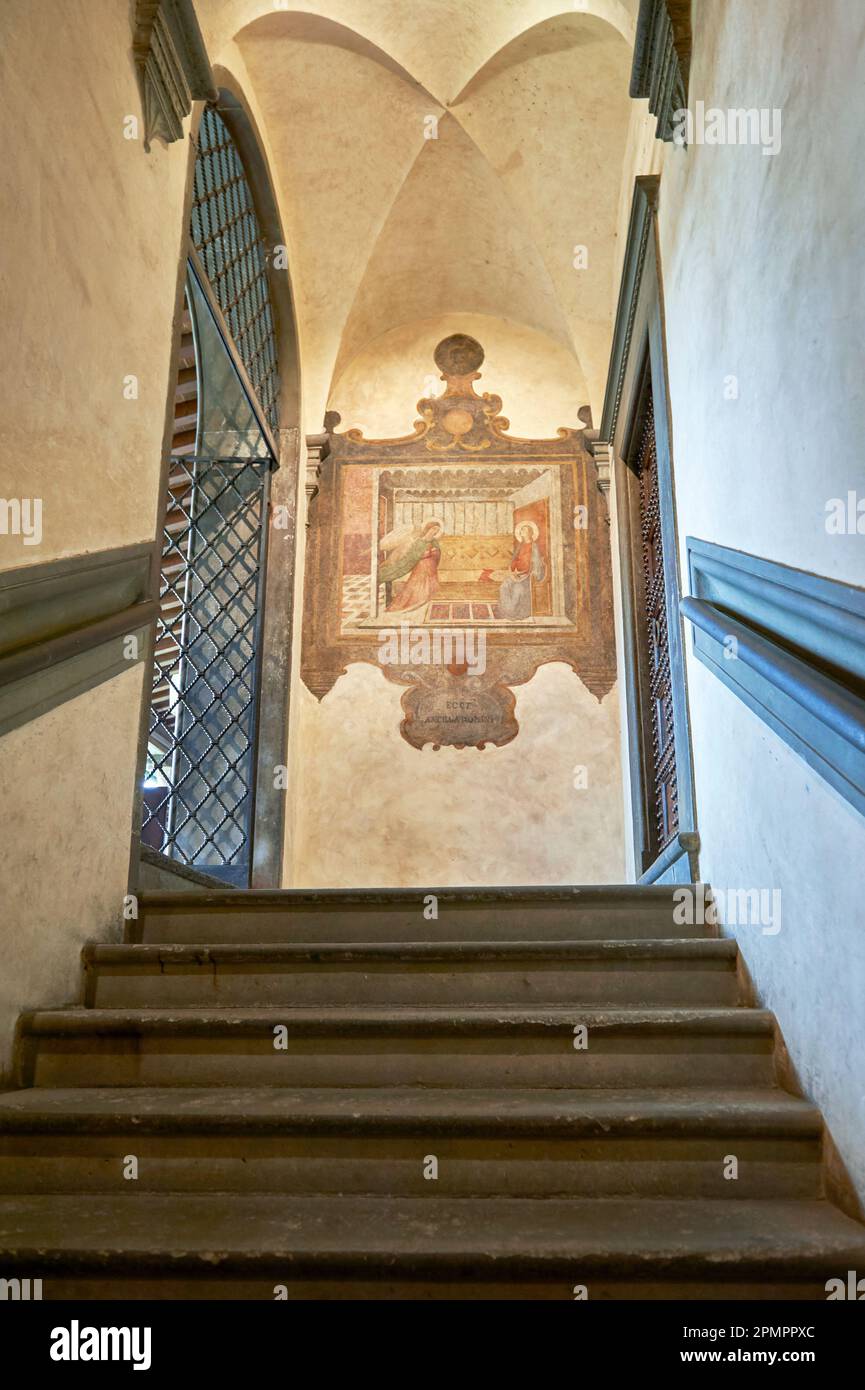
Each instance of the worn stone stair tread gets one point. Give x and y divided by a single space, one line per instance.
699 951
577 1112
674 971
300 1165
497 914
639 896
493 1237
400 1020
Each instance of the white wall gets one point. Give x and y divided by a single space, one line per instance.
763 274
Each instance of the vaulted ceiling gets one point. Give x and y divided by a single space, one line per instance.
386 227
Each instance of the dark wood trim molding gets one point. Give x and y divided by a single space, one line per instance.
41 603
662 59
791 646
64 625
39 656
173 66
41 691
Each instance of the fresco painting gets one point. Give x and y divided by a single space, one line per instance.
440 546
459 526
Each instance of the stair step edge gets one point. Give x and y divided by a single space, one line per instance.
159 954
324 1022
376 1236
611 896
402 1110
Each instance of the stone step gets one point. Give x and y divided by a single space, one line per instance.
381 1141
361 1047
257 1245
578 972
337 916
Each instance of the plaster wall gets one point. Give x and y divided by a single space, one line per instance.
445 44
538 379
92 239
399 235
389 221
371 811
92 242
379 813
66 787
758 256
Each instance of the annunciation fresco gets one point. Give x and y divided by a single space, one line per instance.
459 559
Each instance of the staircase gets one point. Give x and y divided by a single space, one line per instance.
327 1095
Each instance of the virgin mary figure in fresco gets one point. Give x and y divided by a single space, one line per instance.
527 563
413 551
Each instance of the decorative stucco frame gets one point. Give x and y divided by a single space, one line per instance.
460 427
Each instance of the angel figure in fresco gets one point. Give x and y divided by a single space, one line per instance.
527 563
412 551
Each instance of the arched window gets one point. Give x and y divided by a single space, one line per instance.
200 788
226 235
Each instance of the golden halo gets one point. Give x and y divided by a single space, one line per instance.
532 525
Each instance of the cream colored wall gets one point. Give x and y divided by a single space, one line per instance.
551 115
385 226
369 810
540 383
66 787
762 273
92 242
396 240
444 45
378 813
92 262
92 239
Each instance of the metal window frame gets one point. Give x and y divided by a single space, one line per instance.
278 619
267 462
246 719
222 242
196 268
